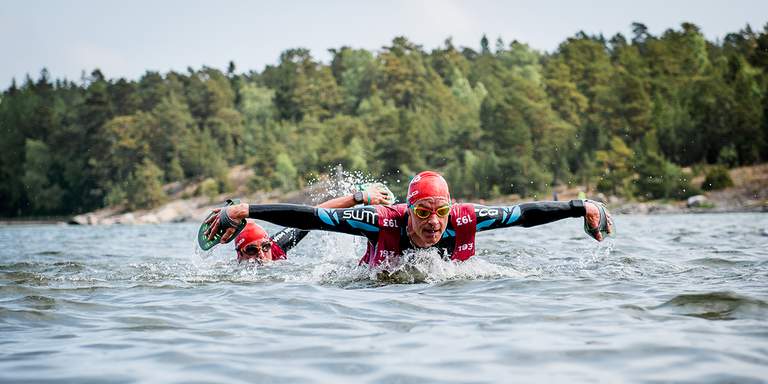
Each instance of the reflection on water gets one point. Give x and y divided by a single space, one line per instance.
677 298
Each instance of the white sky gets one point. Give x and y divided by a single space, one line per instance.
127 38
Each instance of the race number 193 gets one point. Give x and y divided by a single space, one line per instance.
463 220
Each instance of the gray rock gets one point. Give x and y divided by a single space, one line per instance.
696 201
168 213
149 218
79 220
126 218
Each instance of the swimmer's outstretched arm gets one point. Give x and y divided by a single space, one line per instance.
362 221
527 214
538 213
288 237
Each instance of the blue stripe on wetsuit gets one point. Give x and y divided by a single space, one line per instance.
484 224
362 226
323 214
514 216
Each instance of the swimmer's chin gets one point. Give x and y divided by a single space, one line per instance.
431 239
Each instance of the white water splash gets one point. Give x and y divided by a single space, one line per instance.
339 183
334 257
426 265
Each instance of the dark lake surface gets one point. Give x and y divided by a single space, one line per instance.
671 298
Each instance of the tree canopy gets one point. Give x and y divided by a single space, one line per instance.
622 115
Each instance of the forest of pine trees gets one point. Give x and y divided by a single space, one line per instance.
623 115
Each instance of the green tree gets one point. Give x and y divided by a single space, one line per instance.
659 178
717 178
43 196
286 171
506 119
355 72
96 110
210 189
128 145
172 127
302 86
144 187
616 171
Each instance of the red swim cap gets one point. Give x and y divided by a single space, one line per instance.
252 232
427 184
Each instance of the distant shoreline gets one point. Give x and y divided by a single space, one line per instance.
35 220
172 216
749 194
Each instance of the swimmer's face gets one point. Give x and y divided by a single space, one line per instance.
426 232
259 251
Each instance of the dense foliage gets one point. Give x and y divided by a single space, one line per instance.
717 178
619 115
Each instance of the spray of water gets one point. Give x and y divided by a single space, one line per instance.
427 266
333 258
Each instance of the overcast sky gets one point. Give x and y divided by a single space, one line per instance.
127 38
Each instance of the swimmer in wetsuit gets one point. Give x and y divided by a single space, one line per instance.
429 219
254 244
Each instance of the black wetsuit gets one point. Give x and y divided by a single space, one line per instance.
288 238
363 221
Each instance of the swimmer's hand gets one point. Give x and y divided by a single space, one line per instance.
235 213
592 219
378 194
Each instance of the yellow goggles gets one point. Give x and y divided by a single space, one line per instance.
423 213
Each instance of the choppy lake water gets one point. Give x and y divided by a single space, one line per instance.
674 298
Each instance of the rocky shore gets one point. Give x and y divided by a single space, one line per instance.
749 194
178 211
195 209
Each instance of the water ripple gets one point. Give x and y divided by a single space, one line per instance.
667 300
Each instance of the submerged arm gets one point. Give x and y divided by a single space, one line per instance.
288 238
